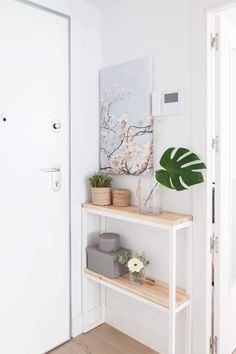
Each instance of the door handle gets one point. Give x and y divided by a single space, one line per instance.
55 177
51 170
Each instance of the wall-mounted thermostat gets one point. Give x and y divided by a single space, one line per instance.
167 103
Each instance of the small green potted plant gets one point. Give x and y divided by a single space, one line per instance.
100 183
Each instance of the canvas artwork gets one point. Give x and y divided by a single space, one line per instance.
126 124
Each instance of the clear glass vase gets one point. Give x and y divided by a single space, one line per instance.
150 196
137 278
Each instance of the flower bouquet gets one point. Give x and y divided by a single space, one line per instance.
136 266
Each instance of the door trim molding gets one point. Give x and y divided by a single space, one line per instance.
44 8
210 15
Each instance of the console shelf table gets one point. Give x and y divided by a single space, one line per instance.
162 296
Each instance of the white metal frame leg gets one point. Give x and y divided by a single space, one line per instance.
172 291
83 266
103 288
188 335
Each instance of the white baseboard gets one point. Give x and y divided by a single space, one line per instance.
129 325
92 319
92 316
147 335
76 326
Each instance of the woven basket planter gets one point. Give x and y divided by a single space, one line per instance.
120 197
101 196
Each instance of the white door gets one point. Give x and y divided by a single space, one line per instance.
225 262
34 204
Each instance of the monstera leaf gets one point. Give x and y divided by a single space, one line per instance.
181 169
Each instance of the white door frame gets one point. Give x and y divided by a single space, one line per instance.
201 142
68 17
209 107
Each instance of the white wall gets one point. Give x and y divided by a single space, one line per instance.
137 28
133 29
85 61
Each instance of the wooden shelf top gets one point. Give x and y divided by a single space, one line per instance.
157 294
165 218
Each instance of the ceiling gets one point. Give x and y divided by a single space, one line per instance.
100 3
230 14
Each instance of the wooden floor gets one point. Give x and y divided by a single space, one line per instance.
103 340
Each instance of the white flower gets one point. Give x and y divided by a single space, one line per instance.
127 156
120 135
106 119
132 146
104 104
135 265
122 93
149 120
109 118
108 92
104 133
146 155
130 92
123 120
116 86
115 162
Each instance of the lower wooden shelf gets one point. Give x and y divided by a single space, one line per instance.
155 295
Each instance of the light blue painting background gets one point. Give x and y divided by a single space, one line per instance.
136 76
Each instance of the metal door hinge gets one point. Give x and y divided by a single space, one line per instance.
215 143
214 244
213 345
214 41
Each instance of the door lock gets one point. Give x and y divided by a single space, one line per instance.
3 117
56 125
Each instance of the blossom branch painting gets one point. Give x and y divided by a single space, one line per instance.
126 125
